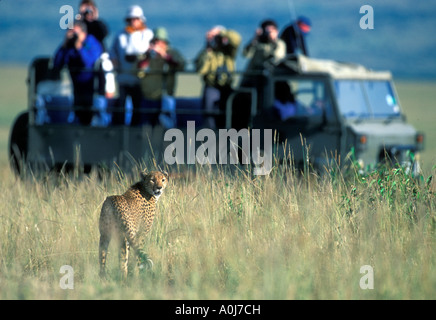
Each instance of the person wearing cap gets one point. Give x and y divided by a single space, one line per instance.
216 64
157 73
129 45
294 35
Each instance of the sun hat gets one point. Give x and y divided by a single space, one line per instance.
135 12
161 34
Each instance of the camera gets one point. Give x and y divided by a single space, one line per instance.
265 36
131 58
71 42
216 42
86 13
152 54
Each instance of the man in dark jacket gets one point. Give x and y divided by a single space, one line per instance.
89 14
294 35
80 52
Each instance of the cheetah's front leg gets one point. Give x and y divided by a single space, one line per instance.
144 262
103 247
124 256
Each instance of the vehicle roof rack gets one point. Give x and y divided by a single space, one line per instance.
336 69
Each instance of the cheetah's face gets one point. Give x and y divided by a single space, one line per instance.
155 182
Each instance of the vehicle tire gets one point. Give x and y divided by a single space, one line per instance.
18 142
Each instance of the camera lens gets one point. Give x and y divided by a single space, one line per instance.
130 58
72 41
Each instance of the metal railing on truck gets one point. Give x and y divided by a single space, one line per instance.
40 70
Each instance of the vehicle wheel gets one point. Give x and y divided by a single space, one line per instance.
18 142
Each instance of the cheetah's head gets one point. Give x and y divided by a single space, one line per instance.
155 182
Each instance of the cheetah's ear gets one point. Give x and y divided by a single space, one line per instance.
143 175
166 174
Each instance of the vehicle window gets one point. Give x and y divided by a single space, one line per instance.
298 98
381 98
351 98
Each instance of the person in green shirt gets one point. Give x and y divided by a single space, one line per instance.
266 49
157 73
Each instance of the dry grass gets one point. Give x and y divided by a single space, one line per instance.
221 235
225 235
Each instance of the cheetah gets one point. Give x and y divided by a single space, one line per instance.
130 217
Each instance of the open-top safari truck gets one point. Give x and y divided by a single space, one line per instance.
337 109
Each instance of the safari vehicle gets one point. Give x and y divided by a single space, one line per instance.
345 112
338 108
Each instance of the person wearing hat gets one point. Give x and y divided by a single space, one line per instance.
129 45
294 35
216 64
157 73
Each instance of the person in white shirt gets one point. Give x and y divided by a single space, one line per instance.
129 45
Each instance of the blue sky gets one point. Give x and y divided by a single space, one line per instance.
402 39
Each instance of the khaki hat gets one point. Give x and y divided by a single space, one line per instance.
161 34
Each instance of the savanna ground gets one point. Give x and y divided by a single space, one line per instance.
225 235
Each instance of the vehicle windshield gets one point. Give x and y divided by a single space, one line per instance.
366 99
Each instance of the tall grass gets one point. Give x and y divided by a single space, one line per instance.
222 234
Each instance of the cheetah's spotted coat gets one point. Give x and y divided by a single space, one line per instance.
130 216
